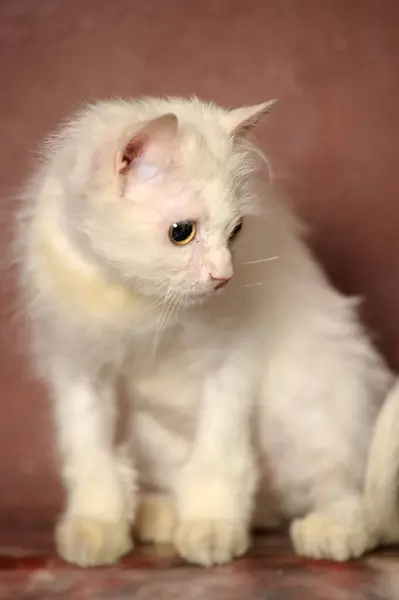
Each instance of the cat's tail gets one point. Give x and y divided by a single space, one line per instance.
381 505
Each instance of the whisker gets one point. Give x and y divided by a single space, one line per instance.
253 284
169 313
179 302
167 301
260 260
158 301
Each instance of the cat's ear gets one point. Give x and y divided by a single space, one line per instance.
240 121
155 137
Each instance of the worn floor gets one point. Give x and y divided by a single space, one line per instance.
270 572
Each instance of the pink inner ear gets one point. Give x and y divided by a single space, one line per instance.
132 151
159 131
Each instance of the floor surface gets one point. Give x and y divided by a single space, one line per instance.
270 572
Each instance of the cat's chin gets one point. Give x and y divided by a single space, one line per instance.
197 299
185 301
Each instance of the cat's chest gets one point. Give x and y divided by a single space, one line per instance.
166 380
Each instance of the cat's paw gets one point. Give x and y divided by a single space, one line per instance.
90 542
320 536
211 542
155 519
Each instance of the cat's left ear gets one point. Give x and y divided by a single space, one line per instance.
155 136
240 121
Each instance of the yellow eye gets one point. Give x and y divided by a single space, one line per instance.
182 232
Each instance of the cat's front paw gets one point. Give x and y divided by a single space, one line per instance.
320 536
211 542
90 542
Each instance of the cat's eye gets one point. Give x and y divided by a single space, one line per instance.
236 231
182 232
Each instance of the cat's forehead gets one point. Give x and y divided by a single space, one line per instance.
208 172
204 151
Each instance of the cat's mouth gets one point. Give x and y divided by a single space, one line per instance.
201 295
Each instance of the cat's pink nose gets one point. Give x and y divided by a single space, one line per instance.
219 282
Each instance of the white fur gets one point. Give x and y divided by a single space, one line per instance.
268 386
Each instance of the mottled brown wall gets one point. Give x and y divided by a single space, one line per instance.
334 65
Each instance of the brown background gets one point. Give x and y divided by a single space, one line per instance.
333 141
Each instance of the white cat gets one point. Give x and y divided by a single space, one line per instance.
228 399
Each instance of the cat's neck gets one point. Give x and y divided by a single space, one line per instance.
77 284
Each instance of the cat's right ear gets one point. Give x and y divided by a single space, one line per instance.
240 121
152 141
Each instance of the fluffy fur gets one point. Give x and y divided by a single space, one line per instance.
237 404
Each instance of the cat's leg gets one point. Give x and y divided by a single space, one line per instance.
334 526
317 440
156 518
376 522
155 521
334 462
334 530
216 486
164 451
95 528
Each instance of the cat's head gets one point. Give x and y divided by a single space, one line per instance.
169 196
